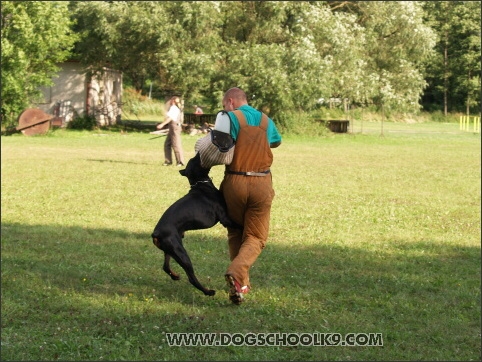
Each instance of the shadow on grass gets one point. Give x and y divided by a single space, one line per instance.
67 255
416 293
117 161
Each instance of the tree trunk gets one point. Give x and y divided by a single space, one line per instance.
468 96
446 72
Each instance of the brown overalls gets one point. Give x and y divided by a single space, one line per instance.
248 197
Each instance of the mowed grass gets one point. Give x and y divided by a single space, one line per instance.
370 233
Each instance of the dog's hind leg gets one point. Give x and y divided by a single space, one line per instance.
180 255
167 268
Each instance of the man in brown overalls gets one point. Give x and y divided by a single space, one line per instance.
247 187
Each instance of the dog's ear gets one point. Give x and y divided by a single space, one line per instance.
182 172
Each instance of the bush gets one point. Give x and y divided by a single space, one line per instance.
83 123
440 117
299 123
136 104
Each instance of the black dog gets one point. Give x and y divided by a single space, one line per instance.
201 208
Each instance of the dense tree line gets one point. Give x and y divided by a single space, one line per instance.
287 55
35 36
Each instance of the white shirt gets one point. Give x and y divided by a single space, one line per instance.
174 113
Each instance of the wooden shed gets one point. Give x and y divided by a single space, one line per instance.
75 94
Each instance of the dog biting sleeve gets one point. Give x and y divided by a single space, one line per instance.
210 154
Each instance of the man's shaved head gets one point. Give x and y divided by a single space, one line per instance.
234 98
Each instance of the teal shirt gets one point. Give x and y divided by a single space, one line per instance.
253 118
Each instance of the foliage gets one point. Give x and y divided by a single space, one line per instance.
135 105
35 36
298 123
439 116
454 75
124 34
86 122
400 53
285 55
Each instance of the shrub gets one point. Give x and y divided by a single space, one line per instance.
438 116
85 122
299 123
136 104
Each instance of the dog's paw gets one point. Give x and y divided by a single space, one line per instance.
174 276
210 292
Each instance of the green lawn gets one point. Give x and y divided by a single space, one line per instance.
370 233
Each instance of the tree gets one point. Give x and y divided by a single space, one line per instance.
397 46
468 51
454 74
340 44
169 43
36 35
189 65
125 35
289 54
284 54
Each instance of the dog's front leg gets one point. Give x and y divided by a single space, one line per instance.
226 221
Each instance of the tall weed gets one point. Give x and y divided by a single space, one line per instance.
297 123
135 104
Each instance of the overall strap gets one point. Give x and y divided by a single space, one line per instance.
241 118
264 122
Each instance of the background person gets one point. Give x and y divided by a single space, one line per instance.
173 138
198 110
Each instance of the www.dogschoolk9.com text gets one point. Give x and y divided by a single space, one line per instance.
275 339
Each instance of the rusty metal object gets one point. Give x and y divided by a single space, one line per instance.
34 121
57 122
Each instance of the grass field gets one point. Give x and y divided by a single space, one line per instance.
370 233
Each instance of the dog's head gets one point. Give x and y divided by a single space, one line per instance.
194 171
